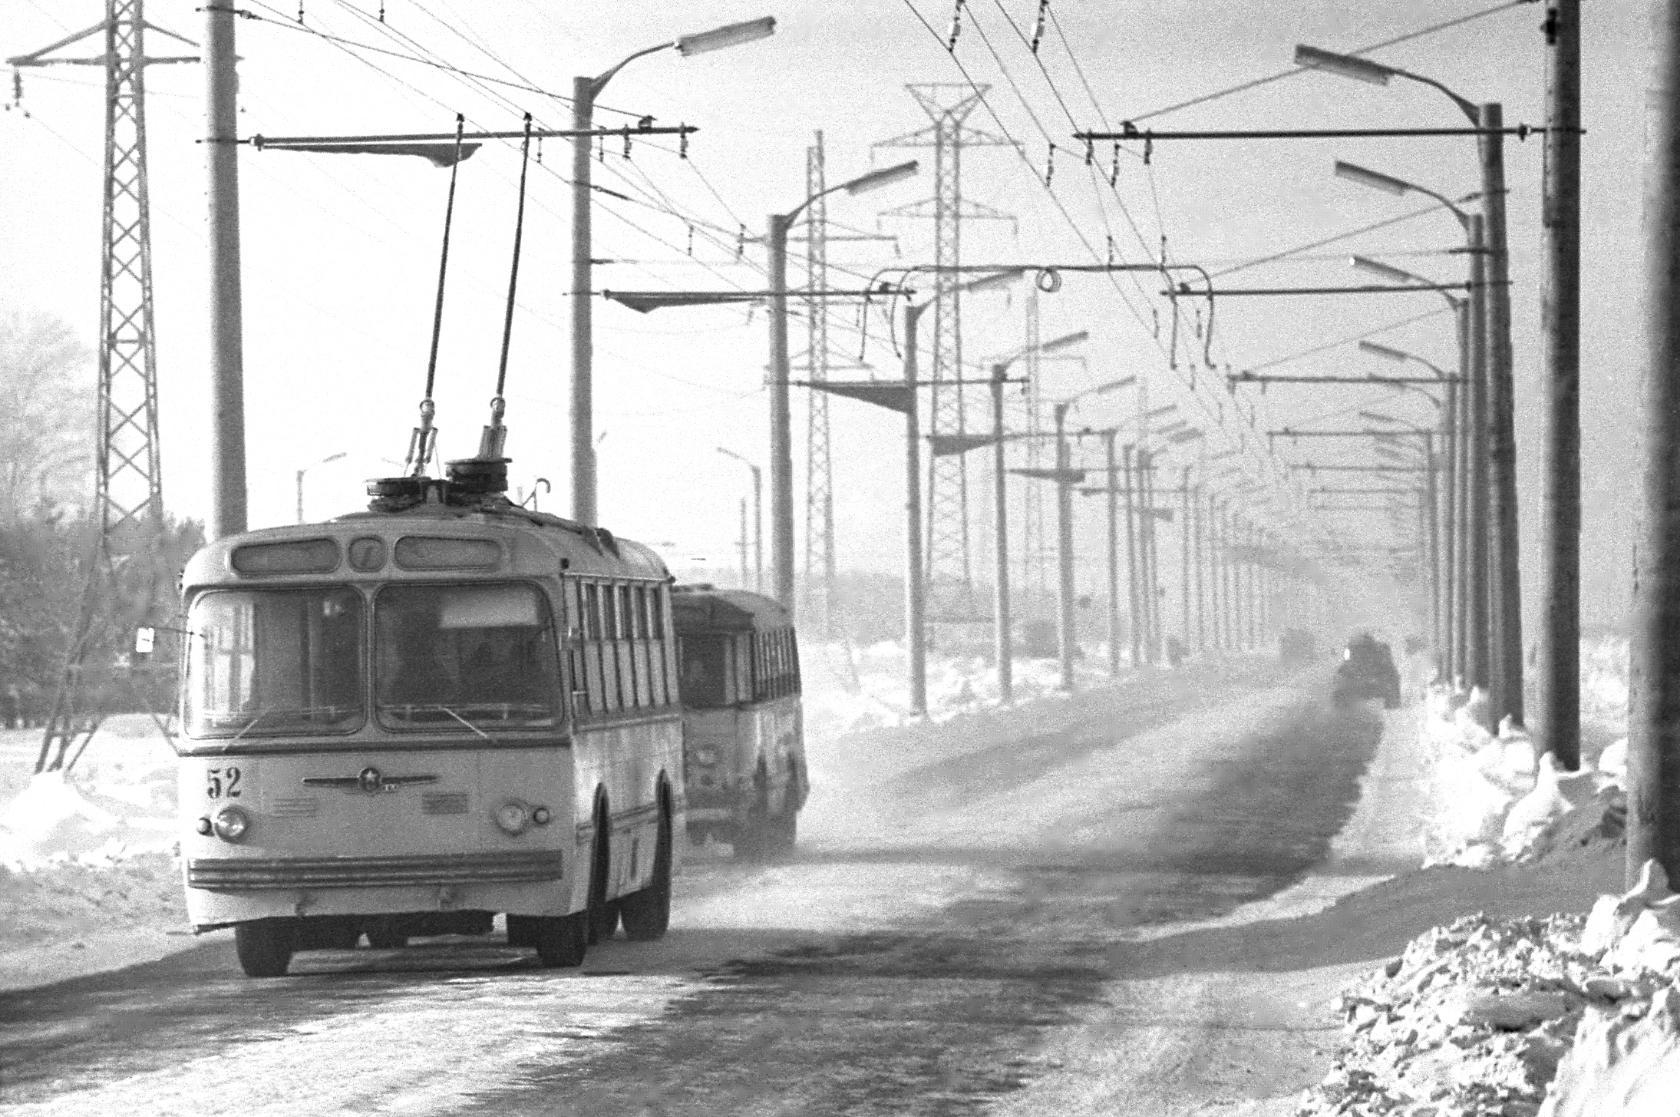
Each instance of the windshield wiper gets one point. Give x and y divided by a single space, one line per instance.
466 723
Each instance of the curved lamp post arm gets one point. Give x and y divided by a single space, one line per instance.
730 34
1389 184
1374 73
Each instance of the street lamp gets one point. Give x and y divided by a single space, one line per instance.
1472 628
584 91
781 418
915 599
1000 514
306 469
1505 652
1448 652
1064 525
758 516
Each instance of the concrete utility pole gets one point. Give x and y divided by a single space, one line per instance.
1654 721
915 598
781 413
227 331
1560 301
1507 691
1000 532
584 92
1065 636
1111 462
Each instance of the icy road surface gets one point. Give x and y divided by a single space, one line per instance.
966 898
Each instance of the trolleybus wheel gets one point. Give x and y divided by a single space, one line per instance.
265 946
752 839
561 940
647 913
384 937
783 833
600 917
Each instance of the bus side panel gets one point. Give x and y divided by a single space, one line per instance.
391 831
626 761
782 737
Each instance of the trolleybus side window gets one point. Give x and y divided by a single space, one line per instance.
576 648
275 660
472 655
644 670
656 646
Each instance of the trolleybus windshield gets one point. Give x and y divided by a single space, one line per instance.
705 672
477 655
274 661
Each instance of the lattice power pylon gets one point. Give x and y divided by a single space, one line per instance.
128 486
950 578
819 473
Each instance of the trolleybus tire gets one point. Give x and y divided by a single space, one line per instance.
600 917
385 937
784 834
647 913
265 946
561 940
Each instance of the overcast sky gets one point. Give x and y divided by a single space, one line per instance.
340 252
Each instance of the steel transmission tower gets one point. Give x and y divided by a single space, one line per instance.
819 476
949 560
125 563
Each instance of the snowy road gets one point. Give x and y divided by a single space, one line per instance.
961 893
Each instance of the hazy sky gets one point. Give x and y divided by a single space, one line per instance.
340 252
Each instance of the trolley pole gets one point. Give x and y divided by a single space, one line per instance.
1654 722
1560 525
227 347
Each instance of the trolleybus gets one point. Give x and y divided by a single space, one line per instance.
411 720
743 732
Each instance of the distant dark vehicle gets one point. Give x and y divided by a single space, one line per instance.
1296 646
1367 671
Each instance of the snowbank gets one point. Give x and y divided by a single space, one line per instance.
1569 1015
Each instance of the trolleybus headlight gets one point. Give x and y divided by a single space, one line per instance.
230 824
540 815
203 825
513 816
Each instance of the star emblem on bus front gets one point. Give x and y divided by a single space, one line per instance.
369 779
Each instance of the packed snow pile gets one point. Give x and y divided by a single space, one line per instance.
1494 802
1560 1015
116 801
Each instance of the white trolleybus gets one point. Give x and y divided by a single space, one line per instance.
743 731
411 720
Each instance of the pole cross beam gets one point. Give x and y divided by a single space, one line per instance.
1255 378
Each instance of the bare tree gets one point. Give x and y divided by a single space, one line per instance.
46 415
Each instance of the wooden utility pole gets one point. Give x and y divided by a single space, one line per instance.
1560 315
1654 716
